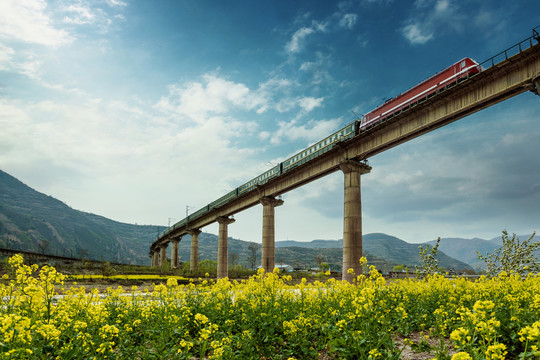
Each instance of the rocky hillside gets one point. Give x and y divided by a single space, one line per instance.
32 221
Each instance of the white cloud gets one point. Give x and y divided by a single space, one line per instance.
293 46
431 17
309 103
298 38
28 21
348 21
442 6
312 131
306 104
416 35
23 63
6 54
116 3
125 150
30 36
79 15
264 135
269 90
31 68
318 69
82 13
212 94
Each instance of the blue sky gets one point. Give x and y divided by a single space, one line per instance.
136 109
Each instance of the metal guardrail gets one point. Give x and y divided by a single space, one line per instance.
513 50
45 256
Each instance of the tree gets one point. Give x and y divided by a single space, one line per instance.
107 270
514 256
253 249
83 253
429 258
233 258
43 244
324 266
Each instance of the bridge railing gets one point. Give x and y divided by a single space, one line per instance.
513 50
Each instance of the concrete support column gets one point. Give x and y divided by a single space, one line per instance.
175 261
268 258
155 258
194 258
222 257
352 218
152 259
163 254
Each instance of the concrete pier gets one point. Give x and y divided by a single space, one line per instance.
155 258
268 258
352 218
175 261
194 258
222 259
163 254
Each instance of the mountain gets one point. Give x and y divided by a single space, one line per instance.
315 244
383 246
32 221
465 249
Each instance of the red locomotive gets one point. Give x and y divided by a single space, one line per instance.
455 73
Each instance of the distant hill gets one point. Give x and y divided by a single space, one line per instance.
32 221
383 246
465 249
315 244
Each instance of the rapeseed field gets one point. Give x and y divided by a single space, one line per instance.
266 317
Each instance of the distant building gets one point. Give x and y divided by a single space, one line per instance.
281 267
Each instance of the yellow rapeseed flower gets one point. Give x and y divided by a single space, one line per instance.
496 352
461 356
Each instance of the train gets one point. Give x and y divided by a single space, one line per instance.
447 78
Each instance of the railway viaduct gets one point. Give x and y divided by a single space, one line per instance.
512 72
